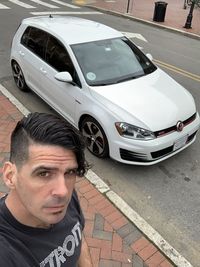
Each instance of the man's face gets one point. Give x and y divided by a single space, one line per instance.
44 185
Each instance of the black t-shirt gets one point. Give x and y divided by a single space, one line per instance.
58 246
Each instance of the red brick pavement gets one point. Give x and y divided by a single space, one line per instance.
113 240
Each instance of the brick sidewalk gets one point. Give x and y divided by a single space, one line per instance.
112 239
175 16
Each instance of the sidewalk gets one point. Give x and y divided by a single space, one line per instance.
143 10
113 240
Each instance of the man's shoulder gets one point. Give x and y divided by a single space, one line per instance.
6 252
9 256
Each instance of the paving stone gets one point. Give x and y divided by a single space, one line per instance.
102 235
95 255
126 230
166 264
109 263
99 222
137 261
155 259
140 244
122 257
133 237
117 243
119 223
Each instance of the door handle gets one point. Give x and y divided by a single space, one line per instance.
21 53
43 70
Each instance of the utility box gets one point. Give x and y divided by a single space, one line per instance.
159 11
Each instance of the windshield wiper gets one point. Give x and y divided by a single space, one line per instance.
102 84
129 78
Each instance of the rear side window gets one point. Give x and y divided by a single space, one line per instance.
35 40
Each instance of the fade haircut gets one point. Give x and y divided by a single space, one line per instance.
46 129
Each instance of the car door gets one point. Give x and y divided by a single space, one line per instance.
66 98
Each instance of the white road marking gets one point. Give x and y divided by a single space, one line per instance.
19 3
64 13
134 35
14 101
64 4
44 4
4 7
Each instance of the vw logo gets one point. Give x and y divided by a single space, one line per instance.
179 126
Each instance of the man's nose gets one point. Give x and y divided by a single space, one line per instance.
60 187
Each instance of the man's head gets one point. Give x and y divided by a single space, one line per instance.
46 155
45 129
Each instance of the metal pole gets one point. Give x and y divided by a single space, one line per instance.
190 16
127 10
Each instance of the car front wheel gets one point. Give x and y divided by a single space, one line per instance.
19 77
96 139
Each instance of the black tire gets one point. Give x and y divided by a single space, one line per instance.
96 139
19 77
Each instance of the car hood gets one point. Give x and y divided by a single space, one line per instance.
154 101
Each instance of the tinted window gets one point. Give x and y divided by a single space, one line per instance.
35 40
57 56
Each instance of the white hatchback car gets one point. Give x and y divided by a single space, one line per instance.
96 78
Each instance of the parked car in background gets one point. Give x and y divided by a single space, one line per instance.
102 83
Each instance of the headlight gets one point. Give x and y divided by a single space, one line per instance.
134 132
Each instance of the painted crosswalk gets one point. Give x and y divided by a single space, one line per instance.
31 4
22 4
4 7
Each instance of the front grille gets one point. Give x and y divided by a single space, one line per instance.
173 128
165 151
162 152
132 156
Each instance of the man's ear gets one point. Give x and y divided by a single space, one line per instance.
9 174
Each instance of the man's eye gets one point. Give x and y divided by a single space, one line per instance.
44 174
71 173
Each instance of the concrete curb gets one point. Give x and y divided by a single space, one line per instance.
150 23
125 209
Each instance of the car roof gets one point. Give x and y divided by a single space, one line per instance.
73 30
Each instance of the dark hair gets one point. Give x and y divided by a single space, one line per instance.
47 129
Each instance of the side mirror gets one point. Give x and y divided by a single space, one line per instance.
149 56
64 76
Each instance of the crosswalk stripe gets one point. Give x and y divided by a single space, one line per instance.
44 4
19 3
64 13
4 7
64 4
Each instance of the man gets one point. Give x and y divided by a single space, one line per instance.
41 221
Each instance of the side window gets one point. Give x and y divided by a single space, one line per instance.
25 36
57 56
35 40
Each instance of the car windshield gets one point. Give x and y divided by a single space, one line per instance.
111 61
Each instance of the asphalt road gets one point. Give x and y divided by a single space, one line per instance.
166 195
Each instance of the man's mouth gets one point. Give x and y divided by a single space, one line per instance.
55 209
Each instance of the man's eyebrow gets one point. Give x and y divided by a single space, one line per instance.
43 168
46 168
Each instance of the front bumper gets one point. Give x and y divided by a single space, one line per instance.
150 152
